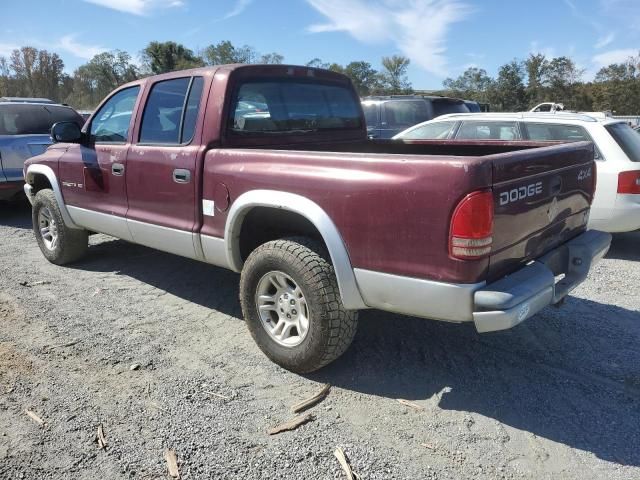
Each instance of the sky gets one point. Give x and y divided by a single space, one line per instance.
441 37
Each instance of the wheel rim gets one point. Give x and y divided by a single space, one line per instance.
48 228
283 309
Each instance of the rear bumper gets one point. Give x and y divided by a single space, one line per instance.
624 216
497 306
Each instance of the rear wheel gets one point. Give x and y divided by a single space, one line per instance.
292 305
58 243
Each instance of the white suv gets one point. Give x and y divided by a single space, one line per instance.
616 206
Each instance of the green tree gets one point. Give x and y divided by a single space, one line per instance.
617 87
162 57
95 79
365 78
536 67
272 58
508 93
36 73
474 83
225 52
394 78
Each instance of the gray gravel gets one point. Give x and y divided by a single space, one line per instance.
557 397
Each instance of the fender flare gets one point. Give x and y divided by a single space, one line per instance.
351 297
38 169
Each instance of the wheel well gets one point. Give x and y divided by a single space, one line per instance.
263 224
39 182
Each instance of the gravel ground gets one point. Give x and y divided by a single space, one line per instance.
556 397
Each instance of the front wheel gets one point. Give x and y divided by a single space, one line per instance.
292 305
58 243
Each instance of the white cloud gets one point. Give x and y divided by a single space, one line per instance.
604 41
81 50
137 7
239 7
417 28
7 48
613 56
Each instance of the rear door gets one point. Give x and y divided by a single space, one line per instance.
541 199
161 173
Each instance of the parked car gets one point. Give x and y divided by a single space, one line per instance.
320 221
388 115
616 207
473 106
547 107
24 132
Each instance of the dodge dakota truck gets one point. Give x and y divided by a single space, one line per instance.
267 170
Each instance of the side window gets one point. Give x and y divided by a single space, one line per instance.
167 108
563 133
430 131
111 123
552 131
488 131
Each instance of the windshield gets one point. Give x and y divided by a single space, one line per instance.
628 140
444 106
293 105
30 119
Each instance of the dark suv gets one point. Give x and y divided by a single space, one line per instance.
389 115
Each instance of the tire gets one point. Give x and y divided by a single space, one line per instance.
330 328
58 243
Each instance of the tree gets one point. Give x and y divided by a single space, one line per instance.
509 92
104 72
365 79
536 67
162 57
272 58
474 83
36 73
617 87
394 77
225 52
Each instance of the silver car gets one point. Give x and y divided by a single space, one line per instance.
24 132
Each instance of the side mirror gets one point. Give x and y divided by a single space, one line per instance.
66 132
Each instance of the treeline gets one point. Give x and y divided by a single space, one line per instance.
519 84
29 72
522 84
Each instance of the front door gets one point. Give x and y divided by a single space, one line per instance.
161 172
93 174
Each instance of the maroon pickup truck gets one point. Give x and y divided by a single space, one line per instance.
267 170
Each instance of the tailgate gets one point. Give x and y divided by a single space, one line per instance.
541 198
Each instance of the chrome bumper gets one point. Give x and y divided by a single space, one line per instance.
497 306
516 297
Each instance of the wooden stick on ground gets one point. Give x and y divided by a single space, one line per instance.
102 442
311 401
292 424
407 403
344 463
35 417
172 463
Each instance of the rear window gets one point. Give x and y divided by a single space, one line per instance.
404 114
627 138
293 106
29 119
370 114
488 131
430 131
444 106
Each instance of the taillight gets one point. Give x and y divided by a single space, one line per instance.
629 182
472 226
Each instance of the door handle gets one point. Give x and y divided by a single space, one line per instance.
117 169
181 175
